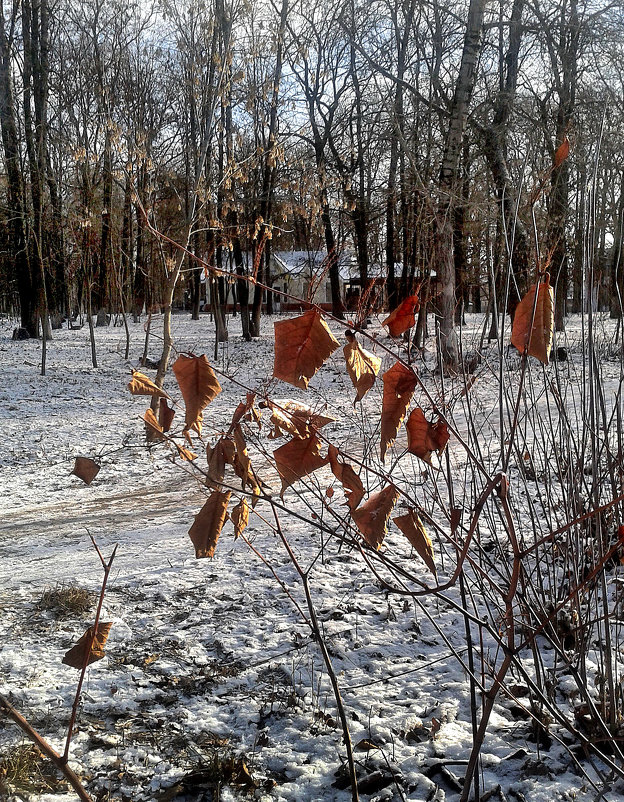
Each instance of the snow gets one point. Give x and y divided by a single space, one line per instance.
209 660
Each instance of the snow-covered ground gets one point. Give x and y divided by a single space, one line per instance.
211 674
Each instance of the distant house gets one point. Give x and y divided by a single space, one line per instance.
304 275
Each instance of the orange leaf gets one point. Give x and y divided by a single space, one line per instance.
86 469
414 530
165 415
186 453
152 422
302 344
242 464
76 656
423 437
143 385
372 517
295 418
351 482
246 410
362 366
403 317
218 457
562 153
297 459
240 517
399 384
198 385
540 338
208 524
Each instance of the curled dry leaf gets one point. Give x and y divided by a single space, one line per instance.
140 384
539 338
86 469
156 430
88 645
351 482
198 385
185 453
242 464
372 517
208 524
246 410
302 344
362 366
218 457
165 415
423 438
562 153
399 384
240 517
294 418
297 459
414 530
403 317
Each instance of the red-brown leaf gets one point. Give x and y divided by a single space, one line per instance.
302 344
362 367
541 336
143 385
372 517
86 469
295 418
208 524
198 385
218 457
240 517
297 459
351 482
562 153
399 384
403 317
414 530
76 656
423 437
155 429
165 415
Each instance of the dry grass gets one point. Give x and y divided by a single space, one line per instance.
24 770
66 601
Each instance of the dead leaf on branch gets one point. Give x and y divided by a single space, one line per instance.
414 530
351 482
86 469
423 438
218 457
246 410
403 317
198 385
140 384
185 453
240 517
294 418
362 366
540 337
208 524
562 153
156 429
76 656
297 459
399 385
302 345
372 517
165 415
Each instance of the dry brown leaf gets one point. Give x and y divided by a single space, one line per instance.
414 530
562 153
140 384
302 344
541 336
294 418
423 437
208 524
86 469
242 464
156 429
351 482
297 459
76 656
362 366
402 318
399 384
240 517
198 385
246 410
218 457
185 453
372 517
165 415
